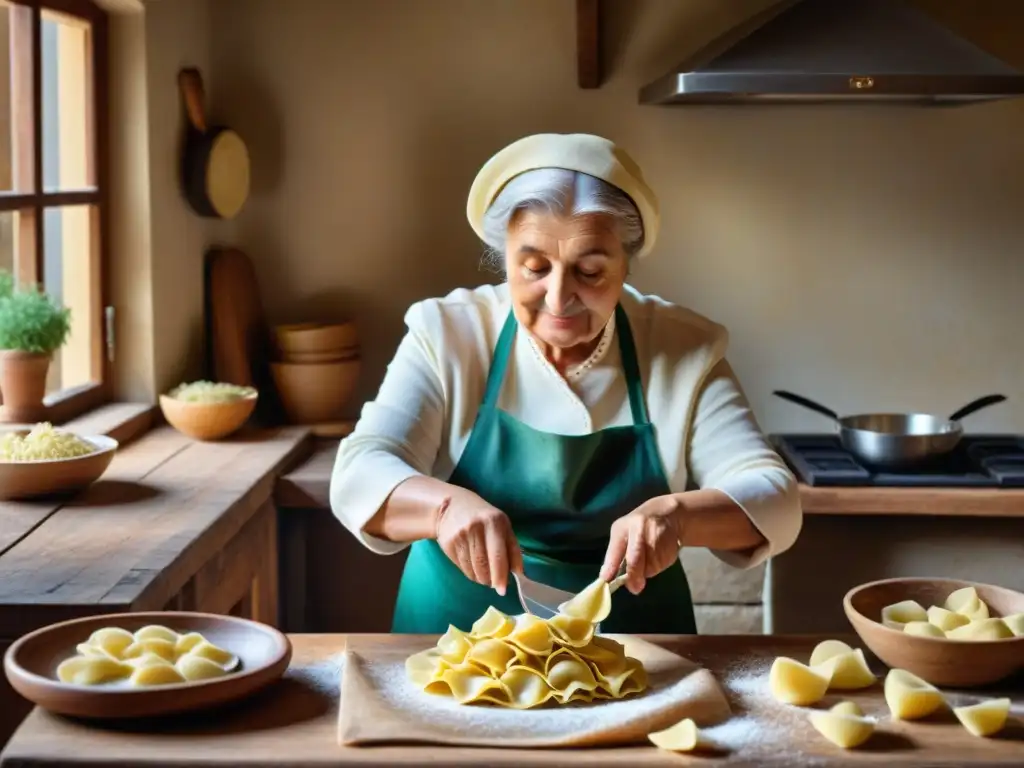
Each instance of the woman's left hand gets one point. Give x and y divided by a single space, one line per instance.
648 538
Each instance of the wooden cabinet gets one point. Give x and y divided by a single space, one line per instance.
332 583
242 578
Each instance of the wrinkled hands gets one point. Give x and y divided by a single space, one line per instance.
479 539
648 538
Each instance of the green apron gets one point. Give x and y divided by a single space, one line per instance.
561 493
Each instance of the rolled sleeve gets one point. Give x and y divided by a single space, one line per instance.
397 437
360 488
728 452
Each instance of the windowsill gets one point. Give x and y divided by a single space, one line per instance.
122 421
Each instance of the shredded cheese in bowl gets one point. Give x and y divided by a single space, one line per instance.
210 392
43 443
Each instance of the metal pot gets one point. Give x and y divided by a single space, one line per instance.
897 440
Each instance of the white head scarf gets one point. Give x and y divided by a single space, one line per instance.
581 152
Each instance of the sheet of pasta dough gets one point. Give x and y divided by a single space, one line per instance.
379 705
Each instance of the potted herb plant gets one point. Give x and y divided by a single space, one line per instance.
32 327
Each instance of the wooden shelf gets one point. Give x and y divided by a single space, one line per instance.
588 43
927 502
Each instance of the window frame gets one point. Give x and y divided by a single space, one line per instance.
28 193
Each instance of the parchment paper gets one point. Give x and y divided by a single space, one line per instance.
380 706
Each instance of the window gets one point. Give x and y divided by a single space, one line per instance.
53 179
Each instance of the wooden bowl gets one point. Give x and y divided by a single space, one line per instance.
31 663
954 663
207 421
28 479
316 392
349 353
313 338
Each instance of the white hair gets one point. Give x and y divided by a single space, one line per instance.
560 192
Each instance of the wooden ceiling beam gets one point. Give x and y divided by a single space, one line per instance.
588 43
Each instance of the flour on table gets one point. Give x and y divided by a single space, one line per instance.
323 677
761 725
392 684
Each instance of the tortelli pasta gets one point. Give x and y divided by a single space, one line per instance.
844 724
153 655
833 665
525 661
964 616
985 718
909 697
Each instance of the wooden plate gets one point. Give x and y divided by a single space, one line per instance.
31 664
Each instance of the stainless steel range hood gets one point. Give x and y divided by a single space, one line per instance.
838 50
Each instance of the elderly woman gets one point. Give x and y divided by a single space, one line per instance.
561 423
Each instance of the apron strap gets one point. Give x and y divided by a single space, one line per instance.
627 350
502 352
630 367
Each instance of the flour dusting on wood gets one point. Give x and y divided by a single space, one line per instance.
390 681
760 725
761 729
324 677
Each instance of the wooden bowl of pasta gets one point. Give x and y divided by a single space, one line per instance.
946 631
126 665
206 410
48 461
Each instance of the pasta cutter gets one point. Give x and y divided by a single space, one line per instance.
542 600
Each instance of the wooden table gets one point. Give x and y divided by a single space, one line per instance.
293 724
173 524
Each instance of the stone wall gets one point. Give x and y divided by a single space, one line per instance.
728 600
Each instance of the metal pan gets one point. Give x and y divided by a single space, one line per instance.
897 440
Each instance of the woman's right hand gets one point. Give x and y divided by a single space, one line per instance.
479 539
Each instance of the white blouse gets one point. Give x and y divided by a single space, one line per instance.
424 412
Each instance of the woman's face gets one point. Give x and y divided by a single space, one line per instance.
565 276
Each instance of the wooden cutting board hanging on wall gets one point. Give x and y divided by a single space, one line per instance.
237 338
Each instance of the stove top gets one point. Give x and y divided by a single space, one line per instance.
979 461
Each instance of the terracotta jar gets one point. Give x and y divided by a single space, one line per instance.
23 384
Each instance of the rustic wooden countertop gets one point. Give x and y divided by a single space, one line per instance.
307 486
293 724
166 504
174 523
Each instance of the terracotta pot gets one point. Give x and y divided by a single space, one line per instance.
23 384
316 338
349 353
313 393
